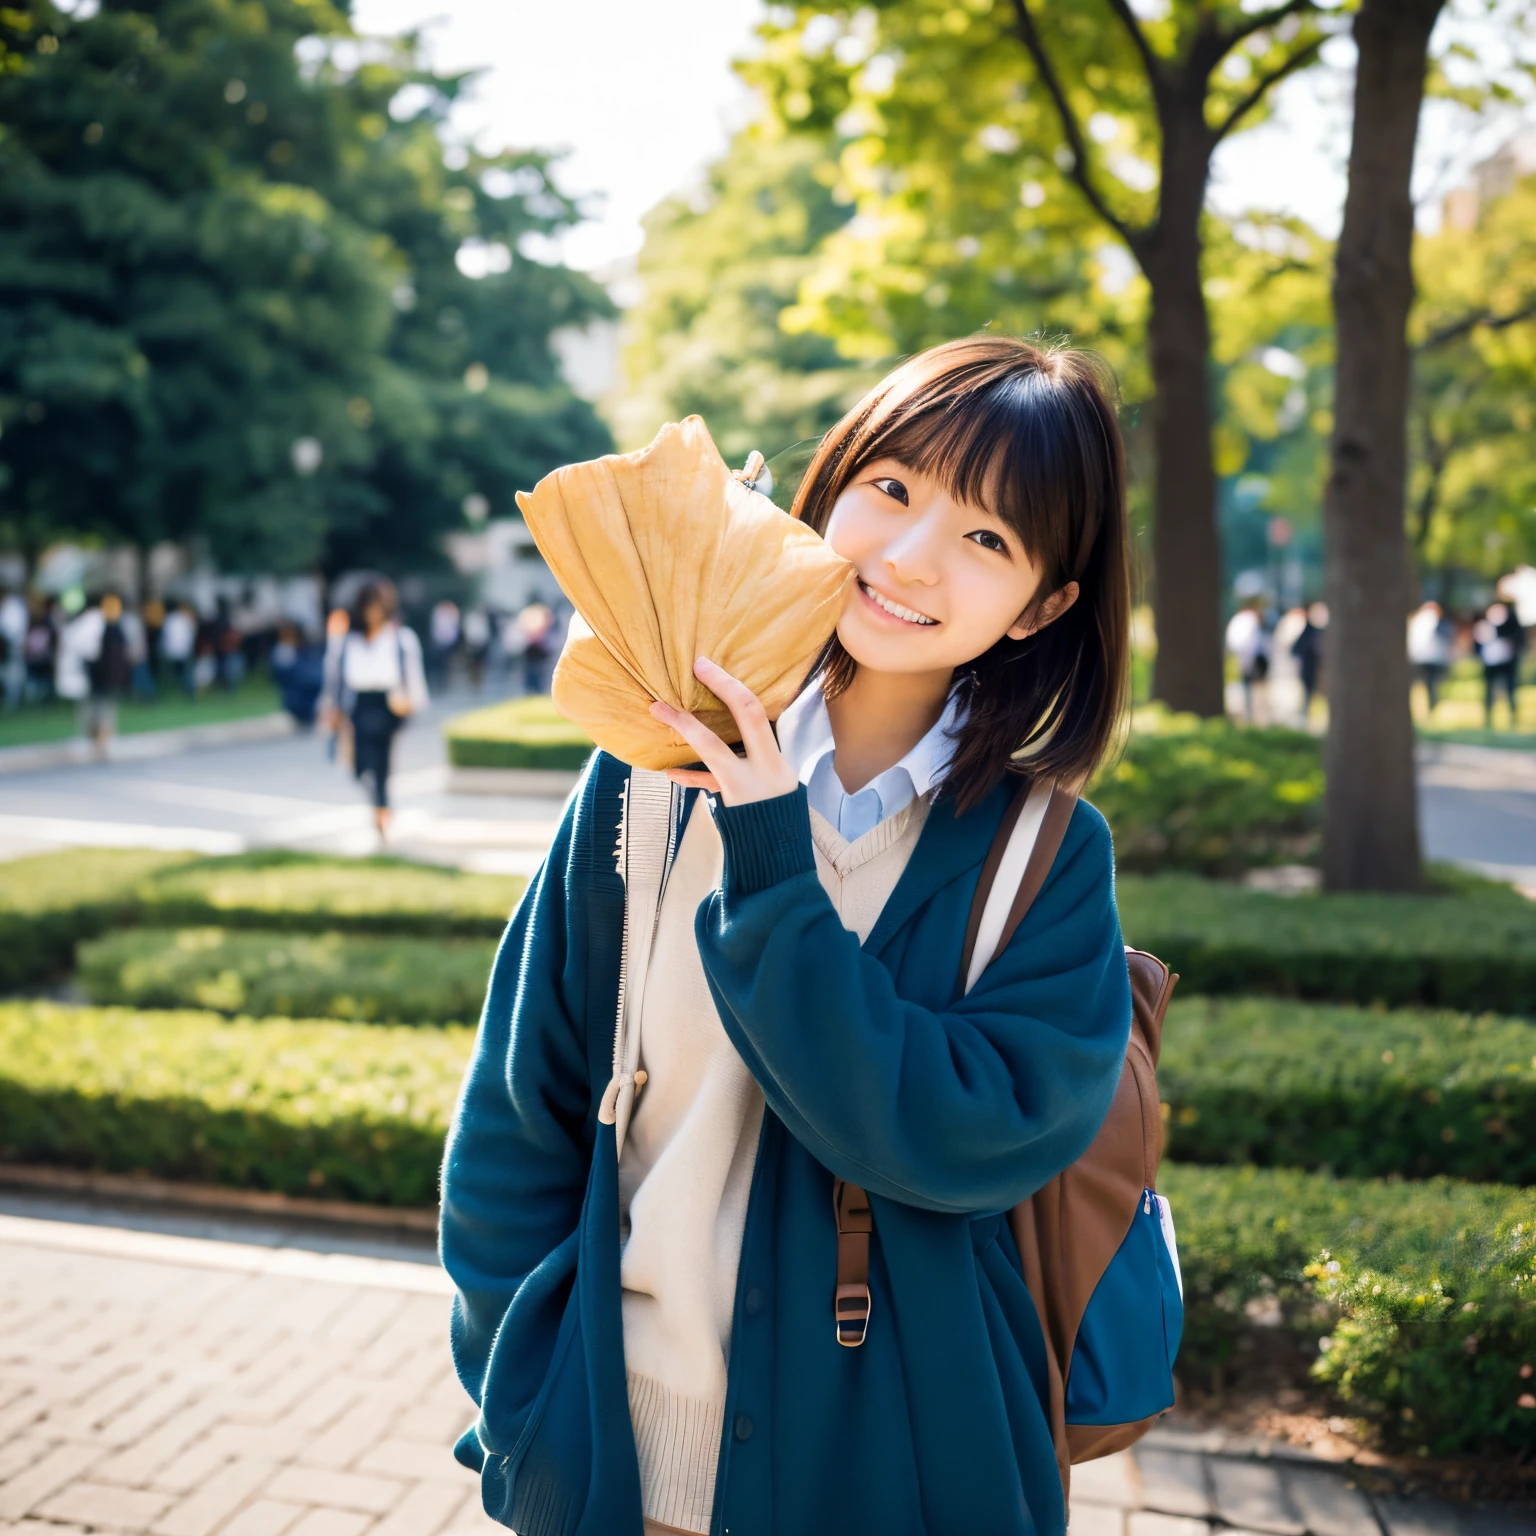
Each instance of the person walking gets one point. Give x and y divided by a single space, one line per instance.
178 641
1308 651
375 677
1248 641
1429 647
1500 639
13 648
650 1336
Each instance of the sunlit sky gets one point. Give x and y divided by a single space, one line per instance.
642 96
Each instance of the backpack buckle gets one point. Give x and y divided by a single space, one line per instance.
851 1308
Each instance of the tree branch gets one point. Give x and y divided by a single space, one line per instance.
1072 130
1251 24
1150 62
1481 318
1265 83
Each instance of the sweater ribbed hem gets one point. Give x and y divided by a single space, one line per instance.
677 1440
765 842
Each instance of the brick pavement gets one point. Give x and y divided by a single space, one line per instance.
177 1386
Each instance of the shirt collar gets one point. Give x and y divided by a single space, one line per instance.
805 737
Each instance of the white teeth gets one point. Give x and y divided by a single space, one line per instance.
911 615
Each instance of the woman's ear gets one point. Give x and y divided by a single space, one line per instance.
1038 615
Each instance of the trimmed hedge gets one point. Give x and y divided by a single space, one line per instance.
51 902
1211 797
520 733
300 1107
356 977
1474 950
1415 1300
1357 1091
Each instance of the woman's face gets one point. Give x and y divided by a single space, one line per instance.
374 615
940 581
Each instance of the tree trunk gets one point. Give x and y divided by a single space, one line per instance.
1186 548
1370 823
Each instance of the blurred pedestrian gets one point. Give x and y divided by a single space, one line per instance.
39 651
537 621
477 645
1429 647
443 633
1500 640
141 680
13 648
375 677
1248 641
178 638
1308 651
298 669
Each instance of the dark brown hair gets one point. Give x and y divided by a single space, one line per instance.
1030 432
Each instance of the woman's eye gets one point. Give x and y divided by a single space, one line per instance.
989 540
892 488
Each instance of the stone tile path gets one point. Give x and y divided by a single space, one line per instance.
174 1385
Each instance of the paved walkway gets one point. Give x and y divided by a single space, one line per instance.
261 1383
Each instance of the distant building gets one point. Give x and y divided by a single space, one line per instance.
1491 179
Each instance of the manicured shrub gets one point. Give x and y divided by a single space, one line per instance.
300 1107
520 733
1434 1356
1472 950
1211 797
1362 1092
50 901
358 977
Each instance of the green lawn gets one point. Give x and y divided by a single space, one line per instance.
36 723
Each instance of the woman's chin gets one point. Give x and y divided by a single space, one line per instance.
889 650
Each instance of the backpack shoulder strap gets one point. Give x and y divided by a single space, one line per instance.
1017 863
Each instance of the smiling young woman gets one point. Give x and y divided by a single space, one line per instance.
646 1324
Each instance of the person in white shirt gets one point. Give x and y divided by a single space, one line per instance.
1248 642
375 676
1429 647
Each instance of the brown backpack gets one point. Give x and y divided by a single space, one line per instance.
1068 1231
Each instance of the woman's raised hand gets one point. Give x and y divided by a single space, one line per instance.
763 774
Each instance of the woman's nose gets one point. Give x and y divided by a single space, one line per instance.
912 556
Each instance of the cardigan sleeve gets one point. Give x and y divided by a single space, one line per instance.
968 1108
515 1164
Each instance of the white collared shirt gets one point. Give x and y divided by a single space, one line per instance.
805 738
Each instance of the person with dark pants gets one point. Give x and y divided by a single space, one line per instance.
375 676
1500 640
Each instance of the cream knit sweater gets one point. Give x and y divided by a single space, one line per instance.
685 1172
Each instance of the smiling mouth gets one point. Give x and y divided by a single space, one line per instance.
895 609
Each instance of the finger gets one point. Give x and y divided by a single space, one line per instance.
712 752
694 778
745 706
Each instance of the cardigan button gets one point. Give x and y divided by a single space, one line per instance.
743 1427
754 1302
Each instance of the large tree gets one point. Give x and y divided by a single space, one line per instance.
232 309
1024 100
1370 824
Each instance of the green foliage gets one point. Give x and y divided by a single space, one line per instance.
50 902
264 1104
521 733
719 267
1474 950
1302 1251
1363 1093
357 977
228 227
1210 797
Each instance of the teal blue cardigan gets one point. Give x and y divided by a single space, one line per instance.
947 1108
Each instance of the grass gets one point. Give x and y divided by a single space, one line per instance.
520 733
1357 1091
172 710
359 978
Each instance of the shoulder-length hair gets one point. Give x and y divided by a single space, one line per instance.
1029 432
